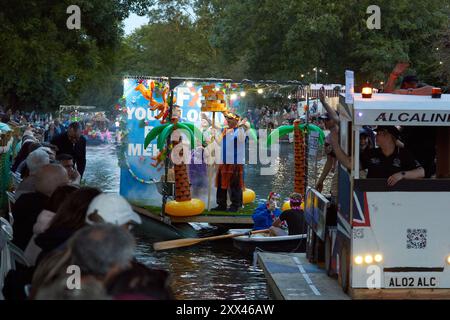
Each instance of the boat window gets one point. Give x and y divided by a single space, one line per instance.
430 146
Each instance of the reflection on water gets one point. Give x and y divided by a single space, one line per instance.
102 170
214 270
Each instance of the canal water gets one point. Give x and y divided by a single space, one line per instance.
214 270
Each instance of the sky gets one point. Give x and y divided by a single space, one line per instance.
133 22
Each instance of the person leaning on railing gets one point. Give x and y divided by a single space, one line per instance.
388 161
410 84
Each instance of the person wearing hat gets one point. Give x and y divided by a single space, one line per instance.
230 173
111 208
410 83
388 161
294 218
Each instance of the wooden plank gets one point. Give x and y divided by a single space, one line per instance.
400 294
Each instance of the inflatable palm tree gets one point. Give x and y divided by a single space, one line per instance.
183 205
299 149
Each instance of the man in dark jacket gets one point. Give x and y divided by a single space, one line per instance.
73 143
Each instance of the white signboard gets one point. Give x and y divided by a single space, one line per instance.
313 143
349 86
402 117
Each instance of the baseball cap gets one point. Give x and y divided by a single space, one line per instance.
112 208
365 132
391 129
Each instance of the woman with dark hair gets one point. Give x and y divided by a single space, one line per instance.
69 218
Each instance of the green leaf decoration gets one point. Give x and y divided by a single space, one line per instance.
162 138
153 134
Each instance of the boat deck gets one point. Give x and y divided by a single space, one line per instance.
291 277
243 217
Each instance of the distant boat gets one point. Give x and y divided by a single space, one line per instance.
248 244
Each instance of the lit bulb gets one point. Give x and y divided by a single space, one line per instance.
358 260
378 258
243 93
260 91
368 259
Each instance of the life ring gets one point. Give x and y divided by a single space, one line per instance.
193 207
287 206
248 196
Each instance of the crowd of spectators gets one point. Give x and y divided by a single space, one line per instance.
75 241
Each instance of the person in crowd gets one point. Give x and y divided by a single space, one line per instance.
365 141
266 213
28 206
388 161
59 128
111 208
91 289
35 161
29 144
50 133
73 143
330 121
44 219
294 218
330 164
410 84
66 160
70 217
101 251
140 283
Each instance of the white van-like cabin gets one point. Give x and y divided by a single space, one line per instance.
394 241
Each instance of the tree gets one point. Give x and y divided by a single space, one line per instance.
43 63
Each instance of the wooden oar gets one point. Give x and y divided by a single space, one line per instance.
171 244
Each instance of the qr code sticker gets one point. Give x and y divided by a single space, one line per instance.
416 239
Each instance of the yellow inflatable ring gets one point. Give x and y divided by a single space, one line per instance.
248 195
287 206
194 207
